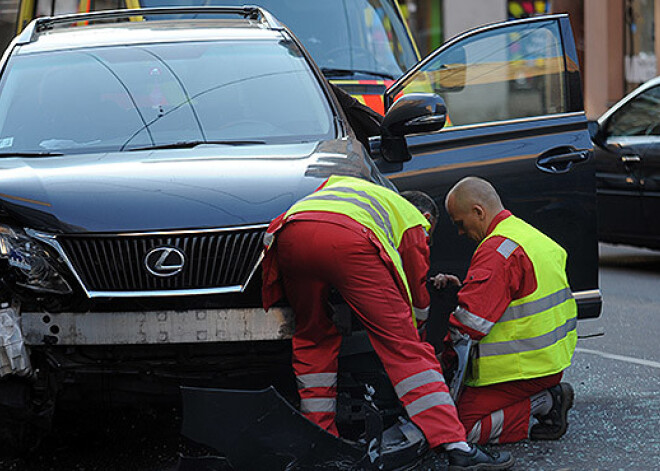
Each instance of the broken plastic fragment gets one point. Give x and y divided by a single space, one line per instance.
14 358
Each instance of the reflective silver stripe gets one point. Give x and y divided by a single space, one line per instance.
475 433
497 423
421 314
535 307
430 400
318 405
473 321
530 344
317 380
403 387
507 247
367 207
374 202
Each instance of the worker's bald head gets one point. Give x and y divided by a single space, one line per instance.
475 190
472 204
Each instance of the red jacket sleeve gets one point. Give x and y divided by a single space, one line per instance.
271 288
414 250
492 282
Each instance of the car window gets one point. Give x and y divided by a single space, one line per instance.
639 117
508 73
118 98
357 35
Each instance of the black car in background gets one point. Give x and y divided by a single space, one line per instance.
140 169
627 149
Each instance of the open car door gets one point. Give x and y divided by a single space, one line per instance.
514 117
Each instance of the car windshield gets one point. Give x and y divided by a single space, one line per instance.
120 98
343 36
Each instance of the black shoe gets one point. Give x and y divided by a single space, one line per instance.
478 459
553 425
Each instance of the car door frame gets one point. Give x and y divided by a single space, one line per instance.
572 122
574 100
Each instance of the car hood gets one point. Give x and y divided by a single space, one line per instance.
204 187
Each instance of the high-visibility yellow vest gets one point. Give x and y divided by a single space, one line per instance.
380 209
536 335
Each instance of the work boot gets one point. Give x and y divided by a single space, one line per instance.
478 459
553 425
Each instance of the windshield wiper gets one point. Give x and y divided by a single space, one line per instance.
30 154
191 144
329 72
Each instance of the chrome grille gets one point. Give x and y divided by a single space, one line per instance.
215 259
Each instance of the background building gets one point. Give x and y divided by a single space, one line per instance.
617 40
8 15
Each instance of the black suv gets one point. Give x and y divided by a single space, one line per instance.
140 163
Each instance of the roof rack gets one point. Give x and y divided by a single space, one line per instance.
251 12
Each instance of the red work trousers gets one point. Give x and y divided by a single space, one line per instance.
315 256
500 413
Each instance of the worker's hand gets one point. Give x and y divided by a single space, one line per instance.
442 280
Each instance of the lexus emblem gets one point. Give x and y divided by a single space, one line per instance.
164 261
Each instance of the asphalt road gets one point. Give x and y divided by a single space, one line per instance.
615 424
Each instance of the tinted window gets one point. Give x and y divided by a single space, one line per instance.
508 73
116 98
357 35
639 117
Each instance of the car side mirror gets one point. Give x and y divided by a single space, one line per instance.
411 114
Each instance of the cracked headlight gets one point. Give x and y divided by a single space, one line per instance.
31 262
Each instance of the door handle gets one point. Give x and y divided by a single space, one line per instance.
561 163
631 159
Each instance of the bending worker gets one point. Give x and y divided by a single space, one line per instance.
370 244
516 302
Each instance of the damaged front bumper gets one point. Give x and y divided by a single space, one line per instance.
14 358
157 327
256 430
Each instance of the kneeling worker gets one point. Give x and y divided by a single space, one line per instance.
370 244
516 302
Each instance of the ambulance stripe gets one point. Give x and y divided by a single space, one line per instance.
375 102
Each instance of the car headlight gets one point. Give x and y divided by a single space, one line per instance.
31 261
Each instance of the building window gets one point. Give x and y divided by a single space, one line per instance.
639 50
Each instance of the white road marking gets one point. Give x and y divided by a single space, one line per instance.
638 361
